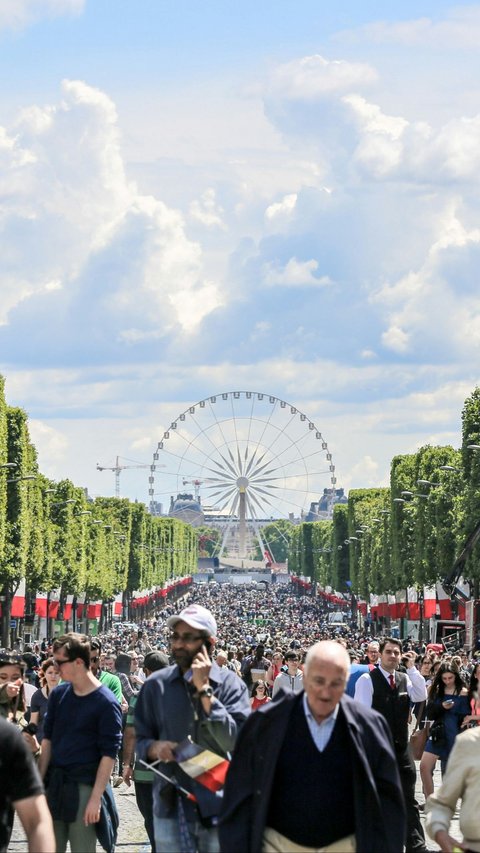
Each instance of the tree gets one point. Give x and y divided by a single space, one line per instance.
276 537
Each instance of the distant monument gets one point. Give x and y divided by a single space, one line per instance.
320 509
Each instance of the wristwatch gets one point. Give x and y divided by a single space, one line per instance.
206 691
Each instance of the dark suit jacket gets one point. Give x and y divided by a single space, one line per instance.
379 807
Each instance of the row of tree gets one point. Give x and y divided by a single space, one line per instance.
385 540
53 536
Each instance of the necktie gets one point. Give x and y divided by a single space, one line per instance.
392 681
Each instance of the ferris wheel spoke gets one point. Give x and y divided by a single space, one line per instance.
222 490
267 424
250 422
254 500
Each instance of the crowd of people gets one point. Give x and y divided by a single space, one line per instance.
235 673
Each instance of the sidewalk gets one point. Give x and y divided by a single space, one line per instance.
132 837
437 781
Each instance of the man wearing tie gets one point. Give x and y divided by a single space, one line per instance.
390 692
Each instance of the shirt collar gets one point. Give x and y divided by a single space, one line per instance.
330 719
385 673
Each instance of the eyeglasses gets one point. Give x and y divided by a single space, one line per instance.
261 687
185 638
60 663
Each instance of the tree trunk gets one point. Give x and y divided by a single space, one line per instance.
6 615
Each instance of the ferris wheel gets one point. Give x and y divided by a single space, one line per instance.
252 459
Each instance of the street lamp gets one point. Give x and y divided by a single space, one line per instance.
20 479
426 483
449 468
8 465
399 501
473 446
407 493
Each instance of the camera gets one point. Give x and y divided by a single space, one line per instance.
31 729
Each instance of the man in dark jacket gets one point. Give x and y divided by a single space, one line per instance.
314 770
193 698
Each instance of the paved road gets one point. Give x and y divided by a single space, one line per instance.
132 837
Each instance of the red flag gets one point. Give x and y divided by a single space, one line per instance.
18 603
202 765
41 605
429 602
67 610
401 598
413 605
444 602
54 603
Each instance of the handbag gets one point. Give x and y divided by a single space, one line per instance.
419 737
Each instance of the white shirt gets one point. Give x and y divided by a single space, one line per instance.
416 688
320 732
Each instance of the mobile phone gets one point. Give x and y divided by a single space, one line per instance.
31 729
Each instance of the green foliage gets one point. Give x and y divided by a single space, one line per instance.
382 541
209 540
276 536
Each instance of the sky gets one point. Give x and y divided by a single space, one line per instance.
204 197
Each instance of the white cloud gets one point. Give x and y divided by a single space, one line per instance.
395 339
313 77
283 209
207 211
72 220
460 29
18 14
295 274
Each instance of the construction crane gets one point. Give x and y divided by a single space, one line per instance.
117 468
197 484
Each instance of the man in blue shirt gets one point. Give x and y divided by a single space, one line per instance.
82 733
193 698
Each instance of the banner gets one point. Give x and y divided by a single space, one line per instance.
444 602
67 610
18 602
41 605
429 602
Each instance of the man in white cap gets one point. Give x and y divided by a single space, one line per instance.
193 698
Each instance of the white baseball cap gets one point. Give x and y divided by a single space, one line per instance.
197 617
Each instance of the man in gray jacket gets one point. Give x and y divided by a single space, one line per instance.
194 699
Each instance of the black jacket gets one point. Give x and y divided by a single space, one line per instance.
379 808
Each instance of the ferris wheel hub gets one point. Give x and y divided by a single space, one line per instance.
242 483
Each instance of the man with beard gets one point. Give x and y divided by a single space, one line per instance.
193 698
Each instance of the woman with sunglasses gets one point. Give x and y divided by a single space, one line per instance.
259 695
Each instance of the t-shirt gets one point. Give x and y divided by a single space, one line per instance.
82 729
140 773
112 682
19 777
39 703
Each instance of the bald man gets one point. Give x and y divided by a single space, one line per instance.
314 771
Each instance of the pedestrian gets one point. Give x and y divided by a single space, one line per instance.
461 781
194 699
142 776
49 677
290 681
82 734
390 692
259 695
447 708
314 771
21 790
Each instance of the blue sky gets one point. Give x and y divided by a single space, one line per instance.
204 196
